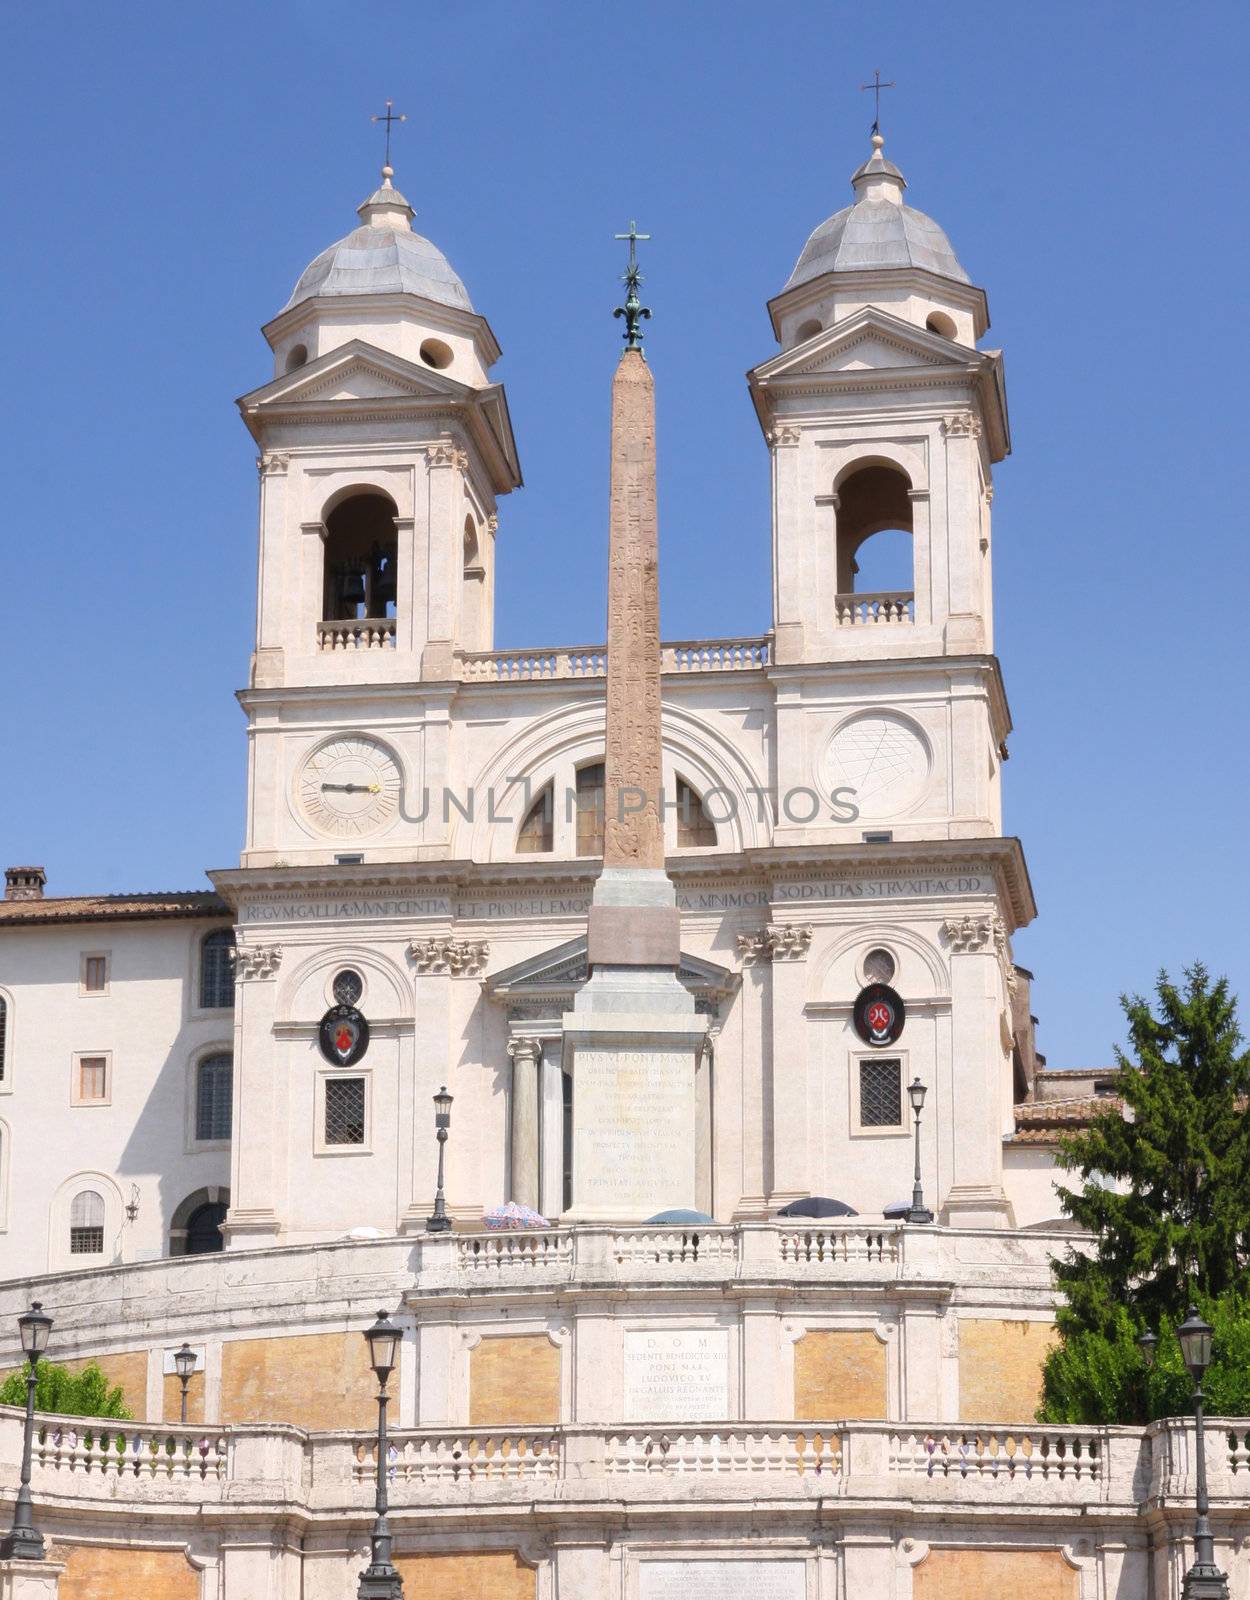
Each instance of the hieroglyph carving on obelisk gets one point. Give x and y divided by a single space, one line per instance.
633 829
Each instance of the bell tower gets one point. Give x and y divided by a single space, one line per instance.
384 449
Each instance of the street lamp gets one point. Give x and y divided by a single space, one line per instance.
918 1212
380 1580
184 1365
1204 1580
24 1541
440 1222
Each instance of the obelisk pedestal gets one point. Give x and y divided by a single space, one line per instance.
633 1036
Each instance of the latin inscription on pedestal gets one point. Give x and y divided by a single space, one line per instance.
633 1149
721 1580
679 1375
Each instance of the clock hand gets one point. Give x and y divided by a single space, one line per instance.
351 788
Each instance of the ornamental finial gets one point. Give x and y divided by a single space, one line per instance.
633 310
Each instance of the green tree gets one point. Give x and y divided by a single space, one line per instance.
1165 1191
65 1393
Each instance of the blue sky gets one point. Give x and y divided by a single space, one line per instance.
170 170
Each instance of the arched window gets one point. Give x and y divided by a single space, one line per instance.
695 829
875 545
473 591
204 1228
86 1224
361 559
4 1028
213 1080
217 970
589 791
537 831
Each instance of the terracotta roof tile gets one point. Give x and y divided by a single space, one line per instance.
1046 1121
114 907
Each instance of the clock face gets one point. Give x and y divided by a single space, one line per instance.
349 786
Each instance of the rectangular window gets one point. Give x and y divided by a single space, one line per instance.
345 1111
213 1085
91 1081
881 1093
95 974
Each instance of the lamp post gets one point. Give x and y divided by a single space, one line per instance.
380 1580
184 1365
1204 1580
919 1212
440 1222
24 1542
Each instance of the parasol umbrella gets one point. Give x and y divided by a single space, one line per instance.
817 1205
680 1217
514 1216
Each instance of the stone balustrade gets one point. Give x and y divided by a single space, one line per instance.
591 661
85 1462
872 609
364 633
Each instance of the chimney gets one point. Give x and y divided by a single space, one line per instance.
24 883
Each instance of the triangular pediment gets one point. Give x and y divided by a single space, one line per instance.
871 340
352 372
561 971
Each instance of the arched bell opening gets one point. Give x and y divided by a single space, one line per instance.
361 559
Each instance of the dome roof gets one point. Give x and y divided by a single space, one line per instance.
877 232
383 256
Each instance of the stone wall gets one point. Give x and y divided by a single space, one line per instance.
992 1574
484 1575
108 1572
839 1373
1000 1368
313 1380
514 1379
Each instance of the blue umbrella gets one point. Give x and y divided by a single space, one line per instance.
680 1216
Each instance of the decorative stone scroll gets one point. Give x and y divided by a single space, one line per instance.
462 958
784 434
779 941
966 935
962 426
256 962
272 463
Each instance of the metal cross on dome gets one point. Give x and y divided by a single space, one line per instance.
390 116
876 86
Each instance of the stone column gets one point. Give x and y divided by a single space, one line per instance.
551 1129
524 1053
704 1187
435 630
976 1198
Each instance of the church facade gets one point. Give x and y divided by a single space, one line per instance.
793 1406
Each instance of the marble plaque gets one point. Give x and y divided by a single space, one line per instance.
633 1130
721 1580
676 1375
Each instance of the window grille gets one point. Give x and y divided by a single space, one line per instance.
217 971
880 1094
695 829
537 833
878 966
86 1224
345 1110
213 1083
590 783
4 1018
348 987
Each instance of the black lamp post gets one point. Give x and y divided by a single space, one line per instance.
1204 1580
380 1580
440 1222
24 1541
184 1365
919 1212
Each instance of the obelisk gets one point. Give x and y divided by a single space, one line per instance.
633 1037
